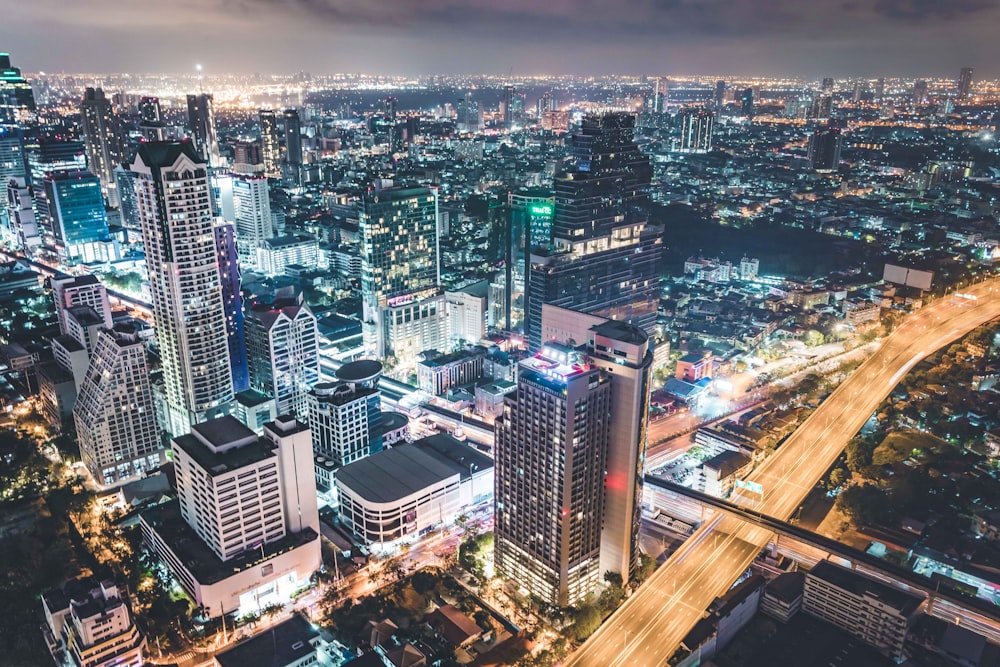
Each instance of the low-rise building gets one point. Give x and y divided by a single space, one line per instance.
291 643
489 397
783 596
87 624
400 492
722 471
875 613
439 374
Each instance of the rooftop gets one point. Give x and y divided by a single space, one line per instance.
622 331
223 445
281 645
393 474
364 370
860 585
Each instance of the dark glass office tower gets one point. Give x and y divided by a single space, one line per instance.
103 141
604 257
201 119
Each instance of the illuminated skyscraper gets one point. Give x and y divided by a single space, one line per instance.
531 213
696 131
507 106
150 119
76 216
403 307
103 142
45 157
625 353
824 149
270 143
283 354
604 256
293 147
252 213
17 100
720 93
964 82
175 211
232 302
201 120
551 451
746 103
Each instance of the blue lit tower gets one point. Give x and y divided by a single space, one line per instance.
232 302
604 256
76 215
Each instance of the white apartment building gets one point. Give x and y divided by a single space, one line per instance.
276 253
72 291
252 215
115 414
175 213
875 613
283 354
245 530
467 310
87 624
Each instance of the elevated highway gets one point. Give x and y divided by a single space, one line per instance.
650 625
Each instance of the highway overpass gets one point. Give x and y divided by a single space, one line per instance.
647 629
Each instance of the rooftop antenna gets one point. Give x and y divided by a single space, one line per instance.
201 80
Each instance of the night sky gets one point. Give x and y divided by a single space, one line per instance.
811 38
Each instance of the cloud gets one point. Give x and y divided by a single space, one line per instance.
929 11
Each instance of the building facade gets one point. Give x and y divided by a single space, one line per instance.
400 271
605 254
115 414
625 353
244 532
103 141
88 624
283 354
175 211
550 457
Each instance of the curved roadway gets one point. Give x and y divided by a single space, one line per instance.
649 627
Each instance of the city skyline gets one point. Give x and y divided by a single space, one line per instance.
769 37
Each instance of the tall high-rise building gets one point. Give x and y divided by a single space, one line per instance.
531 213
403 308
605 254
469 119
151 120
76 216
47 156
13 163
244 532
247 158
746 103
232 302
175 212
696 131
115 413
625 353
17 100
964 82
824 149
720 93
879 90
920 93
293 147
201 120
103 141
283 354
856 95
270 142
661 90
550 456
128 206
252 213
507 105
